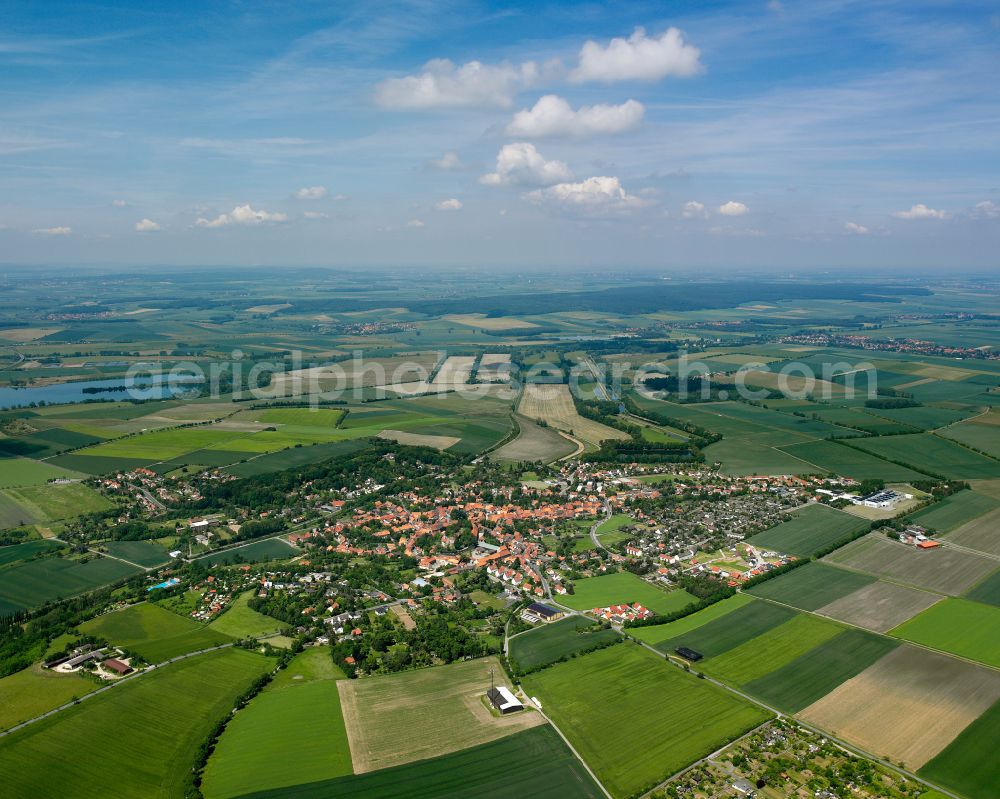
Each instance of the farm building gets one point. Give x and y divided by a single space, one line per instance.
503 700
688 654
116 666
536 612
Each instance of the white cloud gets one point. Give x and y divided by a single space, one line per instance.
315 215
311 193
146 226
856 229
242 215
442 84
596 194
119 203
987 209
522 163
449 205
733 208
415 223
53 231
637 58
693 210
449 162
553 116
921 211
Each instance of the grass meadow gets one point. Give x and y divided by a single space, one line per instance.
622 587
242 621
153 632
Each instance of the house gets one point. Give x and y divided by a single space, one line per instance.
503 700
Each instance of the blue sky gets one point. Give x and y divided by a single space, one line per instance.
795 135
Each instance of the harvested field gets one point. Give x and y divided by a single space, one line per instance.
970 764
880 606
404 617
813 675
419 440
908 706
534 443
553 405
948 571
811 586
382 712
982 534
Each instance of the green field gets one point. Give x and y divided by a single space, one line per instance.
535 763
811 676
256 552
53 501
770 650
622 587
731 630
934 455
153 632
241 621
657 633
755 455
33 691
987 591
635 719
830 456
969 764
812 586
964 628
923 418
291 733
36 582
954 511
141 737
610 530
143 553
307 417
809 530
984 437
561 639
26 472
16 552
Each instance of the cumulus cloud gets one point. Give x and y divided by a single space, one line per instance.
311 193
733 208
921 211
449 205
53 231
146 226
242 215
693 210
449 162
596 194
415 223
522 163
638 58
987 209
443 84
553 116
856 229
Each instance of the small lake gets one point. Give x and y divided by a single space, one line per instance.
145 387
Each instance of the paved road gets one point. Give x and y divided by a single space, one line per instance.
598 523
111 685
